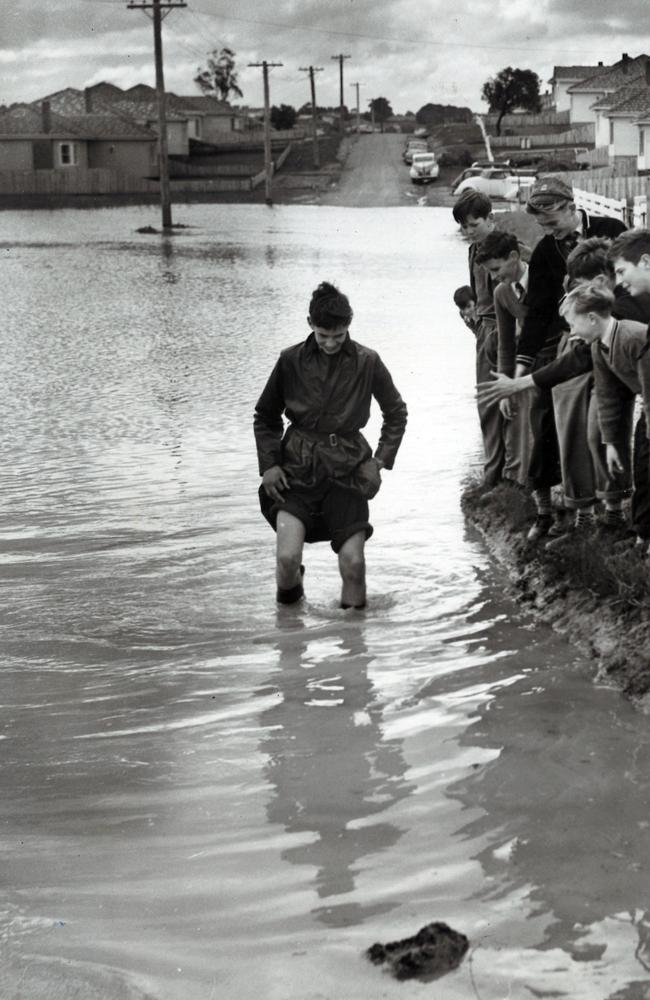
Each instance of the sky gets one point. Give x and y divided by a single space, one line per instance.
409 51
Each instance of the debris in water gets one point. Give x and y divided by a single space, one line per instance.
146 229
433 951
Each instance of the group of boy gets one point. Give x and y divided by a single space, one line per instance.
561 356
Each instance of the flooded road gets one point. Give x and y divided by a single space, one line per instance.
206 797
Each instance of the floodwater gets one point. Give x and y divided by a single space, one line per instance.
204 797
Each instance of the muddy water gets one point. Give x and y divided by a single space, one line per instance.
202 796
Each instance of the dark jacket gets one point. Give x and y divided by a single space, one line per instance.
543 326
327 402
621 373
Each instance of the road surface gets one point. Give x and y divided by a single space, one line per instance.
374 175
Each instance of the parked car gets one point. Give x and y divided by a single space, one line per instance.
414 146
424 168
497 183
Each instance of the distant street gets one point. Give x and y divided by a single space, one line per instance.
374 175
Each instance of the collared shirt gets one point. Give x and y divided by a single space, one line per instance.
606 339
327 395
520 286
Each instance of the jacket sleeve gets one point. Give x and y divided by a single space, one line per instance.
576 360
643 370
542 302
506 333
267 422
613 398
393 411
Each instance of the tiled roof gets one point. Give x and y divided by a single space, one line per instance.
611 79
635 104
146 111
575 72
616 97
25 120
107 126
204 103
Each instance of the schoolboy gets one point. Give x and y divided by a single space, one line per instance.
630 257
473 212
622 371
552 203
465 302
318 476
585 475
500 255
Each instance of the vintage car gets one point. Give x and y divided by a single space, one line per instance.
424 168
497 182
414 146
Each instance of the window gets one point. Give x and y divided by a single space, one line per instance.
641 141
67 154
611 132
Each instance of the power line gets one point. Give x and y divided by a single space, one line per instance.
422 40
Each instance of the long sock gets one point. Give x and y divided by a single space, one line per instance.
613 513
542 500
585 516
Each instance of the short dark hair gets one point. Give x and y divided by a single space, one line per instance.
464 296
497 246
588 298
473 203
631 246
329 307
589 259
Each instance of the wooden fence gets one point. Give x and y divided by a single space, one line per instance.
522 121
597 204
573 137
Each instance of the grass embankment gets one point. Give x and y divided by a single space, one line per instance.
595 589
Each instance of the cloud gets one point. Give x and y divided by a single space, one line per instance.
410 51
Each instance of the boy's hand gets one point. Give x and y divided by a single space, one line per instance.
274 480
613 459
491 392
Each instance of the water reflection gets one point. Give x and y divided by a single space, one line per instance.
332 771
565 806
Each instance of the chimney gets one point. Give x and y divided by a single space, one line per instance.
647 72
88 101
624 62
46 117
600 62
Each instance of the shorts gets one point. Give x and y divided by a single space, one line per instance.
333 514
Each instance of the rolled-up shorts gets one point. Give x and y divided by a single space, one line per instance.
333 514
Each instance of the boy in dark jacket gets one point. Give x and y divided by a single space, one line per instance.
552 203
317 477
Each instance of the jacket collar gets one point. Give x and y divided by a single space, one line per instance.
312 347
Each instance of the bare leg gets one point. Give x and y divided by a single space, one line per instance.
290 539
352 566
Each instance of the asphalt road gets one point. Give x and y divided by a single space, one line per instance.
375 176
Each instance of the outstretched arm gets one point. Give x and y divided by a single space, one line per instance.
502 387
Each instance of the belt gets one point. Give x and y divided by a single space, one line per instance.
329 437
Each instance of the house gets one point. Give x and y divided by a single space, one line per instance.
208 117
617 115
642 124
585 94
37 138
564 77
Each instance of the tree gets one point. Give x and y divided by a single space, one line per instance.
381 110
509 89
443 114
219 76
283 117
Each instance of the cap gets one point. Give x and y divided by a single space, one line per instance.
549 192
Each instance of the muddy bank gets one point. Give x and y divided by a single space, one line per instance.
595 591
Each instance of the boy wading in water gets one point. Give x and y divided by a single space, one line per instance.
317 477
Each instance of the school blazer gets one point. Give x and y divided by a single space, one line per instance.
510 313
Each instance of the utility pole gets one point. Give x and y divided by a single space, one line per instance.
357 85
158 7
268 162
341 57
314 111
